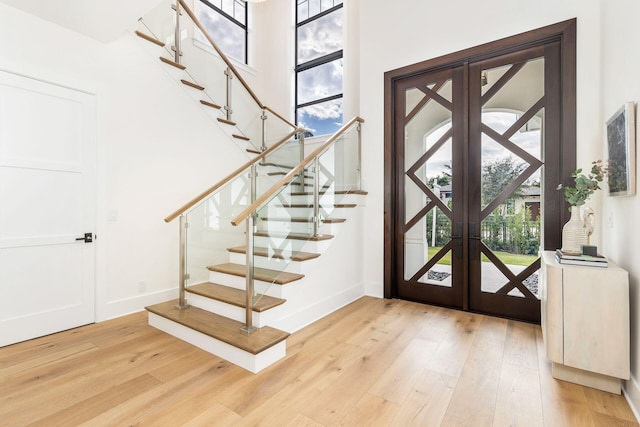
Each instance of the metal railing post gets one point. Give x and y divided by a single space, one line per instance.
248 327
176 38
359 166
301 173
182 301
227 107
316 196
264 117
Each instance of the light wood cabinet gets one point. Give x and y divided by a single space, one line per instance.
585 322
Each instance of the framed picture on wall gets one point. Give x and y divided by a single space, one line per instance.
621 146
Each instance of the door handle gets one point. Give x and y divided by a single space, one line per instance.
88 238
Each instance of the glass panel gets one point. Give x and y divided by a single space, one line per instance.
210 233
277 164
499 169
512 233
519 94
320 37
320 82
338 176
512 230
428 122
309 8
160 23
529 137
321 119
418 253
303 10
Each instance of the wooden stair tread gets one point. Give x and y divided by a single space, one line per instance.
326 220
219 327
249 150
233 296
226 122
172 63
271 253
244 138
294 236
263 274
210 104
192 84
307 193
149 38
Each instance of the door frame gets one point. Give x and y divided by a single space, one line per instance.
555 206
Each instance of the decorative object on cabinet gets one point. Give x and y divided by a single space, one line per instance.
621 144
577 231
585 323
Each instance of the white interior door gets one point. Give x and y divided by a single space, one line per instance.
47 201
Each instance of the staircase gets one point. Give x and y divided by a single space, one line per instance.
214 319
245 288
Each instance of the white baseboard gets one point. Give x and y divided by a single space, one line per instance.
122 307
631 391
320 309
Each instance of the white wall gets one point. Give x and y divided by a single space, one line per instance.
620 83
157 149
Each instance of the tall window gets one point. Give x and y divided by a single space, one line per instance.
319 65
226 22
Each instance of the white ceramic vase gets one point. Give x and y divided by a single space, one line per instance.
574 232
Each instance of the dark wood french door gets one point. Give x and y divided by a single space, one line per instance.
476 148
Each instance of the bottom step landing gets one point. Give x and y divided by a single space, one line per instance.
220 336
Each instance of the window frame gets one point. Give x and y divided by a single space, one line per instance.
244 27
313 63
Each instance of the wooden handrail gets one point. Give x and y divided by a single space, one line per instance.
293 173
231 176
222 55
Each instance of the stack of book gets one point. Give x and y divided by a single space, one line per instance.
585 260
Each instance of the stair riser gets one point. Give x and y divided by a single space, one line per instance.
330 199
281 212
296 267
282 227
250 362
232 311
240 283
293 245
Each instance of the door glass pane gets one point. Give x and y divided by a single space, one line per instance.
511 162
428 166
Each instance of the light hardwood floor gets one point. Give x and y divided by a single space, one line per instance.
373 363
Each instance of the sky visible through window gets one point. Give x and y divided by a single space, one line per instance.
319 38
227 34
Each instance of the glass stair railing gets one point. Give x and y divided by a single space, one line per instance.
261 223
211 77
289 222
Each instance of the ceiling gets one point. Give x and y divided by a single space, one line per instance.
102 20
